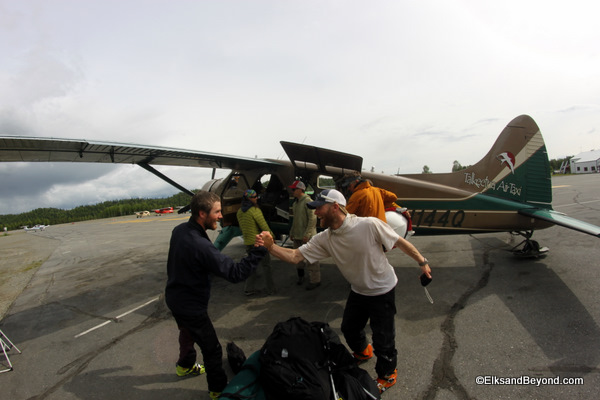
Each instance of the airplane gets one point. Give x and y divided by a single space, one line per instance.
508 190
34 228
142 214
165 210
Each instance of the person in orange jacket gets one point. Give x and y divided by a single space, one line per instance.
367 200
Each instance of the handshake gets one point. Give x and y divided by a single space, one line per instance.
264 239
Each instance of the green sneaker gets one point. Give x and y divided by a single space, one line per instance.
197 369
214 395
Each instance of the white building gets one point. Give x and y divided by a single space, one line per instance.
586 162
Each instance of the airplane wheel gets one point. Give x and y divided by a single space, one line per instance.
531 249
531 246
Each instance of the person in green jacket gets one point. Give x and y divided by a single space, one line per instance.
252 222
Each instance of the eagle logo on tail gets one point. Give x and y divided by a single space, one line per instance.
508 158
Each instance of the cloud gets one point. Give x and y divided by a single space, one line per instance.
27 186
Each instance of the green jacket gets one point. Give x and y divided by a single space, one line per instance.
252 222
305 220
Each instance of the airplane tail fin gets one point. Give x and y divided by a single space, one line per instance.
515 168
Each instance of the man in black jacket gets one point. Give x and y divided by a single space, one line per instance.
191 262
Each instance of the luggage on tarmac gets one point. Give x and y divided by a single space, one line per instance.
354 383
303 360
294 365
235 357
300 360
245 384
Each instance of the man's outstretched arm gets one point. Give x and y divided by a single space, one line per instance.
410 250
292 256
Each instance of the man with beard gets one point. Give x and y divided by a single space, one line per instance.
192 261
357 246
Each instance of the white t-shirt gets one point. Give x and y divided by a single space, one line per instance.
356 250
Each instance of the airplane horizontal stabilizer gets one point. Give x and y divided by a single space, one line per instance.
562 220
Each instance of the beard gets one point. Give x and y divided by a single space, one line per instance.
325 221
211 224
326 217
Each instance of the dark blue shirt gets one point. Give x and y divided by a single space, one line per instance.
192 260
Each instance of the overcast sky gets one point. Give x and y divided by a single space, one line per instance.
402 83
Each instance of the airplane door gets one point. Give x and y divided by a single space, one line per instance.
231 197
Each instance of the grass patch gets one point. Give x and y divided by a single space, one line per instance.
33 265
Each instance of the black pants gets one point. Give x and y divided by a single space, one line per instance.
199 329
381 311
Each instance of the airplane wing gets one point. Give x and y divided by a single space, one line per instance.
562 220
36 149
302 155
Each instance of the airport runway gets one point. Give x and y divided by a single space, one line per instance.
92 323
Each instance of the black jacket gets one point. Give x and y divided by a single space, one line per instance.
192 260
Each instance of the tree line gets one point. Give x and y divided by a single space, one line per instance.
107 209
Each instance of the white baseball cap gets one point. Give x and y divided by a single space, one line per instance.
328 196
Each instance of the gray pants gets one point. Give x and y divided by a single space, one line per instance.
314 269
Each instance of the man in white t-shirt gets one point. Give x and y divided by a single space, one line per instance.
356 245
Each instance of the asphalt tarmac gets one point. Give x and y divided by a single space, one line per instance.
91 322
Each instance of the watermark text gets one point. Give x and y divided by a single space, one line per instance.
527 380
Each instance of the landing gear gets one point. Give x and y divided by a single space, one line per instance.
530 248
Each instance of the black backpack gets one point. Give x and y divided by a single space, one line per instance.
354 383
306 361
350 381
294 363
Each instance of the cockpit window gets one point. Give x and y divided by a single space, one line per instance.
325 182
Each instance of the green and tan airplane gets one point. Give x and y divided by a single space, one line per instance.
509 190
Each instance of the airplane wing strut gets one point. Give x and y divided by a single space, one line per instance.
165 178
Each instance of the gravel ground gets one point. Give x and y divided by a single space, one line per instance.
21 254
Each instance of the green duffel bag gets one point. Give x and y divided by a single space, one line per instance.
245 385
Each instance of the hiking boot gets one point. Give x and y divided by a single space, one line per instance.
197 369
364 355
387 381
214 395
312 286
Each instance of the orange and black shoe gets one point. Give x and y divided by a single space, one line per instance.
364 355
387 381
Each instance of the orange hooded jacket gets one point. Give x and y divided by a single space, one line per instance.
370 201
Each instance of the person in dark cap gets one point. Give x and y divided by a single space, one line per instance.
357 246
304 226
